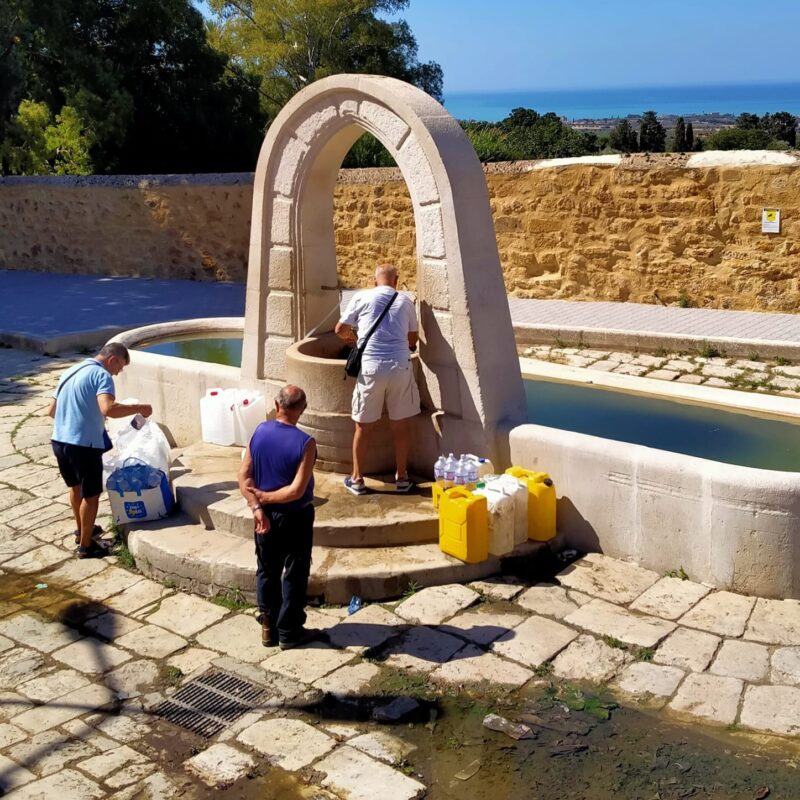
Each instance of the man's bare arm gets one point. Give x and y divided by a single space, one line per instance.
345 332
296 489
248 489
109 407
51 411
413 338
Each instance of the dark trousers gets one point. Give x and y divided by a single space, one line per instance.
283 557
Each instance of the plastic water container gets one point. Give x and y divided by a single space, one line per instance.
461 472
464 525
249 411
509 486
541 503
501 508
216 418
485 467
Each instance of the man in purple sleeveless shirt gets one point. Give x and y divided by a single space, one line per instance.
277 480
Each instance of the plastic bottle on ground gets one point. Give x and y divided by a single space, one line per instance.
461 471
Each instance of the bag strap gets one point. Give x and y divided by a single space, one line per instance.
376 323
72 375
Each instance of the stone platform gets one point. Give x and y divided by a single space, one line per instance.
374 546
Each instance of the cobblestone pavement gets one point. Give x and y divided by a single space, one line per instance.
754 374
88 648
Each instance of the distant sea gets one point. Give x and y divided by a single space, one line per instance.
603 103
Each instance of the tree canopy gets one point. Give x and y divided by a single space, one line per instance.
652 136
288 44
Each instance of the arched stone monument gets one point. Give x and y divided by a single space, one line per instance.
468 368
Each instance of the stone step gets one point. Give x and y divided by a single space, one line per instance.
204 478
210 562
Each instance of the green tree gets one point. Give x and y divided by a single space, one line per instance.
738 139
748 122
622 137
291 43
652 136
781 126
142 79
530 135
690 137
679 137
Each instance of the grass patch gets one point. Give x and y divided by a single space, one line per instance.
171 676
233 599
683 300
643 653
412 588
575 699
754 356
395 682
709 351
611 641
780 361
119 549
677 573
544 670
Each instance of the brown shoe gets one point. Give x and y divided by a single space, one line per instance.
268 638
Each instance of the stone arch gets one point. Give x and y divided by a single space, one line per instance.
468 356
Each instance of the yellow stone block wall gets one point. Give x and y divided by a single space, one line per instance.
645 234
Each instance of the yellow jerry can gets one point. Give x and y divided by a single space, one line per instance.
436 494
541 503
464 525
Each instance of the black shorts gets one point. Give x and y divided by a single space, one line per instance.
80 466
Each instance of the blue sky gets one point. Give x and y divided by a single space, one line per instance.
495 45
541 44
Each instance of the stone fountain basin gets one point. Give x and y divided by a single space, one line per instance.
314 364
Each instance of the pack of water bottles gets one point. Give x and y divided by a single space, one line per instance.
466 470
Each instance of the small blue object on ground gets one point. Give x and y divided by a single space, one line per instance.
356 603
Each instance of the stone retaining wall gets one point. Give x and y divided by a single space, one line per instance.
641 231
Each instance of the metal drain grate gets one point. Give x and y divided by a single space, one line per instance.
210 703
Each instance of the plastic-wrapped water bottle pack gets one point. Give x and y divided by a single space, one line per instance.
134 477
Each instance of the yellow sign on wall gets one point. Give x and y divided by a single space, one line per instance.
771 220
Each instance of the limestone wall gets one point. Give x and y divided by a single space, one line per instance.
640 231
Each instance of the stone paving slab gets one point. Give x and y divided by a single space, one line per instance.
152 641
473 665
91 656
139 595
238 636
384 746
191 659
436 603
53 685
670 598
547 600
75 570
65 785
111 625
482 627
71 705
649 684
774 709
775 622
20 665
723 613
786 666
186 614
534 641
422 650
51 751
308 663
607 619
33 631
746 660
109 582
370 627
133 676
712 698
287 743
37 560
13 775
498 588
348 681
220 765
689 649
356 776
589 659
102 765
607 578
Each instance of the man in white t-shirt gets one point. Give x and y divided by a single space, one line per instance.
386 375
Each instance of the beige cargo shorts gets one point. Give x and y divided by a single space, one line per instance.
388 383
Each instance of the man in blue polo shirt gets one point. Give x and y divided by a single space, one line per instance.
277 480
82 400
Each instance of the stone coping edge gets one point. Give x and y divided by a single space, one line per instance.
785 409
528 334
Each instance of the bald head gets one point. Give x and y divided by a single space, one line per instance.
291 399
386 275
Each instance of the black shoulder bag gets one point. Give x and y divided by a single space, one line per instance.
107 443
353 365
